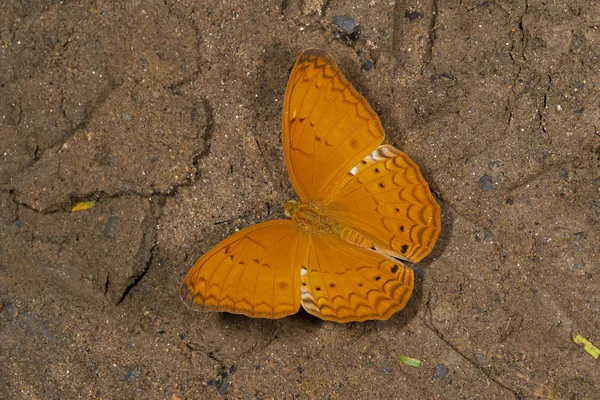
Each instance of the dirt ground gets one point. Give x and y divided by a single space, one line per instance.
167 114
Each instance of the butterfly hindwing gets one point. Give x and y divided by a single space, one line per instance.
343 282
255 272
328 127
386 199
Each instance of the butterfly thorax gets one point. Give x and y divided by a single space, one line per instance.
312 219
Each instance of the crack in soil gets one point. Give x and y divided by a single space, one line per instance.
431 326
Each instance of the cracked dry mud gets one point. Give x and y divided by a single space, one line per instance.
167 115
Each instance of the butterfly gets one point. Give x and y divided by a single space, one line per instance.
363 208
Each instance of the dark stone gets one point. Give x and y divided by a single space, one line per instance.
486 183
344 23
388 371
134 373
223 388
412 15
110 227
440 371
348 31
564 173
367 65
578 235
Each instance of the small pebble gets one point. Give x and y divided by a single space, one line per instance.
412 15
486 183
345 23
564 174
387 371
223 388
110 227
440 371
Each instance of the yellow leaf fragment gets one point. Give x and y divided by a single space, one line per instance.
413 362
82 205
588 347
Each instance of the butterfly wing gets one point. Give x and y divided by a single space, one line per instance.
255 272
343 282
327 126
386 199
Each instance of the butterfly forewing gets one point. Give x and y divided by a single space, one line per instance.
327 126
255 271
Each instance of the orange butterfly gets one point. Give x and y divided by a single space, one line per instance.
364 206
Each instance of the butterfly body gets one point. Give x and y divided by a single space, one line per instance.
363 206
311 219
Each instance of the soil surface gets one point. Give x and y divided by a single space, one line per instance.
167 115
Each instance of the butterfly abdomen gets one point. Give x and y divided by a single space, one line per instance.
314 220
351 236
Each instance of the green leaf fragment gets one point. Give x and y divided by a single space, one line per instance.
588 347
413 362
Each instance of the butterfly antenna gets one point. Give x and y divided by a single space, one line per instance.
264 159
226 221
276 184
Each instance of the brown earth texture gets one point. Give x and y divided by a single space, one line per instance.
167 115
